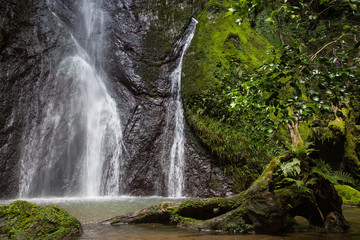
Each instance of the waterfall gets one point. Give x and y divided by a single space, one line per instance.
177 158
73 146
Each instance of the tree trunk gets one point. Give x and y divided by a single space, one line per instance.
268 205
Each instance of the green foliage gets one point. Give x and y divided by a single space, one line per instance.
242 95
296 86
337 177
242 151
302 151
293 173
291 88
220 52
314 78
303 11
291 168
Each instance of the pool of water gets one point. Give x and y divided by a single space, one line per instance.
92 210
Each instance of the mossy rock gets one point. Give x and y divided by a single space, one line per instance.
220 46
348 194
24 220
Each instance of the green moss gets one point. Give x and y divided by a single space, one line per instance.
235 222
163 206
115 221
301 224
192 204
348 194
24 220
220 45
338 125
351 158
224 140
282 195
262 182
218 214
305 131
216 185
185 221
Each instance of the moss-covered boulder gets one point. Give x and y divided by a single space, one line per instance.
24 220
348 194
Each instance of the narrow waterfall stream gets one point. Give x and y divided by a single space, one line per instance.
177 161
74 147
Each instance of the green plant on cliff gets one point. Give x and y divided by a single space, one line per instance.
313 80
292 88
312 74
247 100
223 51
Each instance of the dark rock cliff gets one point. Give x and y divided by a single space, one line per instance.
142 47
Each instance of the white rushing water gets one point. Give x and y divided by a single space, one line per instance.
74 148
177 161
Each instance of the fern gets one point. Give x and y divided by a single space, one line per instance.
292 168
298 185
324 170
311 181
343 177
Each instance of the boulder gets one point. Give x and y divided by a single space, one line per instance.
24 220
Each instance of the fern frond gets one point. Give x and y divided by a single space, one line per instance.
324 174
291 168
312 181
343 177
300 183
324 170
289 179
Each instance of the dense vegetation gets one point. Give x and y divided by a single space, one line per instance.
279 76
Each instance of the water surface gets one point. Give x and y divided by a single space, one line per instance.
91 210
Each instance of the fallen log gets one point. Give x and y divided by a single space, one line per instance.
270 204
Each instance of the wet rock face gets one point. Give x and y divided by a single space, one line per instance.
141 48
29 49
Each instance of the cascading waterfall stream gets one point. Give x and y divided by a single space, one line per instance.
75 146
177 161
